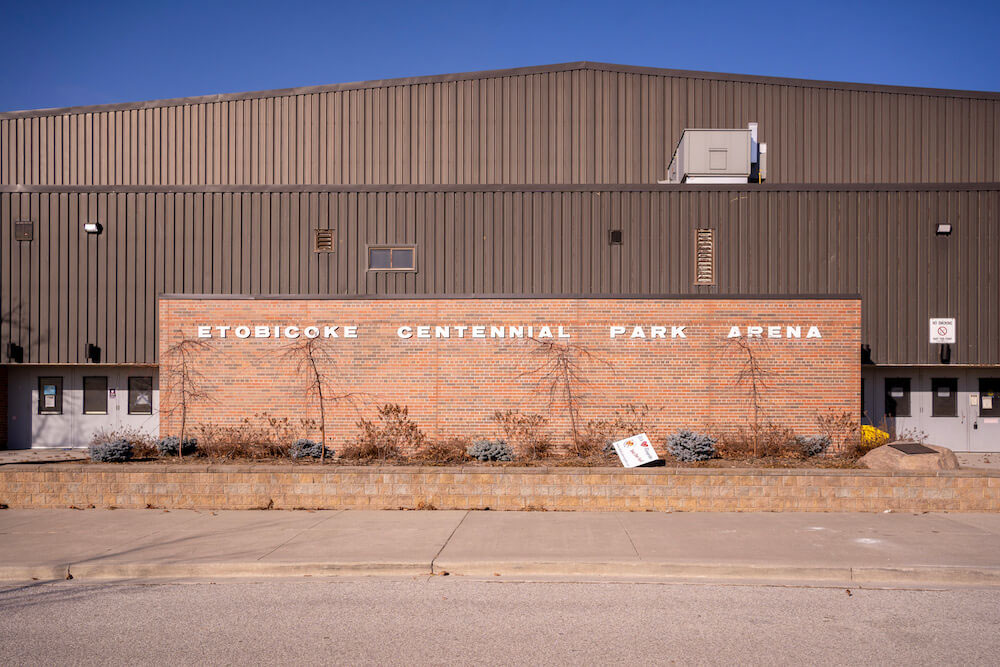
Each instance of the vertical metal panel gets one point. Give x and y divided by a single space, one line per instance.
66 288
576 126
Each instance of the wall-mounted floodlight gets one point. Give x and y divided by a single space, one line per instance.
944 229
93 227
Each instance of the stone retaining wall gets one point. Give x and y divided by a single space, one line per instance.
496 488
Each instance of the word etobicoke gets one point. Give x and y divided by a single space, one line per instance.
615 332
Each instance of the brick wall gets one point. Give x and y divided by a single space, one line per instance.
335 487
452 386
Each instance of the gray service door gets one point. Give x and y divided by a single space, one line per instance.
984 405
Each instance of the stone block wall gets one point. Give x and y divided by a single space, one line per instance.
494 488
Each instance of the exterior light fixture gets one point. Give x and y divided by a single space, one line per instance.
15 353
944 229
93 227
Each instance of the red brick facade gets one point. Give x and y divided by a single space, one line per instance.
453 385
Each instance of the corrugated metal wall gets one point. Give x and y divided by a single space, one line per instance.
584 125
67 288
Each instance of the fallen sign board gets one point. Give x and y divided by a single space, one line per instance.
635 451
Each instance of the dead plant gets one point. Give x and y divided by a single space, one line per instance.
525 432
261 437
844 431
630 419
386 438
448 450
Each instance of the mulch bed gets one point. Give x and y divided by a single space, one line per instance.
827 462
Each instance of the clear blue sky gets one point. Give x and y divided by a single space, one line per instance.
71 53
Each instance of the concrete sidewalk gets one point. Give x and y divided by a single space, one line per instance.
848 549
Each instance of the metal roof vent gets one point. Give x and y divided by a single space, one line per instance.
323 240
704 257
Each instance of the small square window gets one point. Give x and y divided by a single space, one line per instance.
897 397
944 397
95 395
989 397
50 395
140 395
615 237
392 259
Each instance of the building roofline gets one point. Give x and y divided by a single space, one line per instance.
499 73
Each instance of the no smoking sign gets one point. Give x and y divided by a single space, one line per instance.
942 330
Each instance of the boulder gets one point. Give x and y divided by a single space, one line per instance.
893 456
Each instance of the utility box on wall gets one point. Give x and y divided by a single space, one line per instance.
711 156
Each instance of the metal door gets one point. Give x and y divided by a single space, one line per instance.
944 408
984 405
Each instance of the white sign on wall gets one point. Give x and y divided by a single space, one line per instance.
635 451
942 330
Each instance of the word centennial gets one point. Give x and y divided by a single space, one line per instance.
623 332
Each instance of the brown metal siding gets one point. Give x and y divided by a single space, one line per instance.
585 125
67 288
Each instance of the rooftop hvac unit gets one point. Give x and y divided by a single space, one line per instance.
717 156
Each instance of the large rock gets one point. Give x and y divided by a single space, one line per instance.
889 457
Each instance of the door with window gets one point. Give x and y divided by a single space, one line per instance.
984 403
944 415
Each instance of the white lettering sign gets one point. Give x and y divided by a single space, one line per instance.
626 332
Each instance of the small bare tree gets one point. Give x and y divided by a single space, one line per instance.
184 382
315 362
753 376
561 374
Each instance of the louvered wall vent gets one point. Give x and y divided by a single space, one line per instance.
324 240
704 257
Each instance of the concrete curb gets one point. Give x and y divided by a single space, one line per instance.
624 570
933 576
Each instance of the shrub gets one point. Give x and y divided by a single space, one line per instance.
491 450
450 450
525 431
762 441
169 445
143 444
259 438
812 445
598 435
387 438
115 451
872 437
689 446
304 448
844 429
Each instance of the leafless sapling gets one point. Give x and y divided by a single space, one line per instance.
754 377
315 362
562 374
184 382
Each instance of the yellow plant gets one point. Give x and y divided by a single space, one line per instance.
872 437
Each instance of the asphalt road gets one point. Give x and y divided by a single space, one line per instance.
450 620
